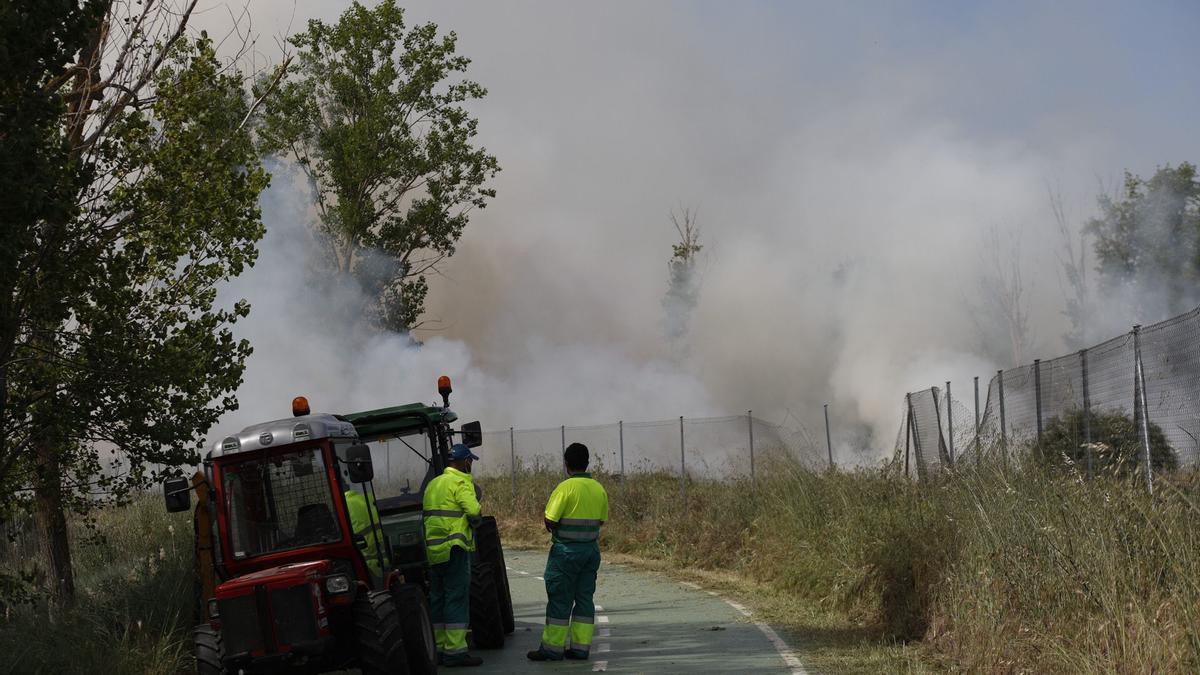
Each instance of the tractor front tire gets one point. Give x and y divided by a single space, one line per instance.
209 650
487 623
416 625
377 632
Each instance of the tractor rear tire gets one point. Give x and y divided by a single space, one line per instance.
487 536
377 632
487 624
209 650
416 624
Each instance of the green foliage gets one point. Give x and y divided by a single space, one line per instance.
374 117
1149 236
1116 444
113 352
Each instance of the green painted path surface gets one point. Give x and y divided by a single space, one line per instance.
645 623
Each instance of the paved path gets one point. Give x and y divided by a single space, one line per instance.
645 623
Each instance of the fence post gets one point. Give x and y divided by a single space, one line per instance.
828 439
682 465
916 436
621 446
1003 421
907 429
950 421
750 427
512 454
1139 383
977 451
1037 395
1087 412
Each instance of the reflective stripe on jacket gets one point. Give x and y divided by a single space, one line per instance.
362 516
580 506
449 504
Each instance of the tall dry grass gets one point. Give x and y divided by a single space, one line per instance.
993 569
135 598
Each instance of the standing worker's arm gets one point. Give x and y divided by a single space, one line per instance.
468 503
555 508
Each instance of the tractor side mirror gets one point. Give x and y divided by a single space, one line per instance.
178 494
472 435
358 461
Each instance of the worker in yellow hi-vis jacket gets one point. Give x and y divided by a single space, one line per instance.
451 509
574 514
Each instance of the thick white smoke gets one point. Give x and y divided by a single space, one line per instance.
309 339
848 168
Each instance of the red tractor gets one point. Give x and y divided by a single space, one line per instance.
285 583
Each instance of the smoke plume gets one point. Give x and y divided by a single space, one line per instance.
850 166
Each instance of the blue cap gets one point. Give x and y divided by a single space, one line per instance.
459 451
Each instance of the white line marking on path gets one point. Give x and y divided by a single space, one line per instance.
599 666
603 647
785 652
603 632
599 608
539 578
522 572
602 619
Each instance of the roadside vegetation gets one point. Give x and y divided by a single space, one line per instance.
989 570
993 569
134 605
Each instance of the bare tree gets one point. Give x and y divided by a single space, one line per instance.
1002 317
683 284
1072 271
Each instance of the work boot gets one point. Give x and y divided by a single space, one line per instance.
462 661
542 655
575 655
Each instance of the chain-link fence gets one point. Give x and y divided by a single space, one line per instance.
1129 403
705 447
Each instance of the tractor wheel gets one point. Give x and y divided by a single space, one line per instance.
487 536
209 650
487 625
377 632
417 628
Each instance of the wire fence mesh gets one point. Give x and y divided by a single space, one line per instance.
706 447
1086 408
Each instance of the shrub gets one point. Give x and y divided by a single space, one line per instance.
1116 444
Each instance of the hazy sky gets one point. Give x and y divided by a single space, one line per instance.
845 158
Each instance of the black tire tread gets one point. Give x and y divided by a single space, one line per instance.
487 625
209 650
378 633
414 619
492 551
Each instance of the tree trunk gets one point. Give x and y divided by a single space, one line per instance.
52 522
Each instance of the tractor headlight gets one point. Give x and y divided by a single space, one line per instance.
213 612
337 584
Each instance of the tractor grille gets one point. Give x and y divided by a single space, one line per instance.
294 616
239 624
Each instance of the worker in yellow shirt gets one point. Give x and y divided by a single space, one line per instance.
367 531
451 511
574 514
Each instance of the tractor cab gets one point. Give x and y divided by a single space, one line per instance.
302 565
